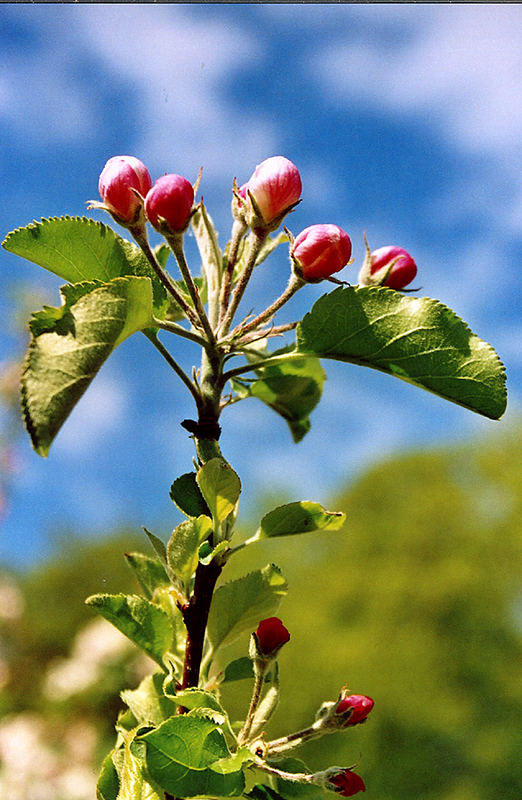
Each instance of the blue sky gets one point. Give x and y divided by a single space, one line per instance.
404 120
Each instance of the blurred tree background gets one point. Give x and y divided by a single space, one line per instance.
415 603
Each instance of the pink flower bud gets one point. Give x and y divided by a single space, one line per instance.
275 188
271 635
402 272
171 199
346 783
120 175
319 251
359 707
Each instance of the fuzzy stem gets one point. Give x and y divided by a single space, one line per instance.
292 740
176 245
238 231
294 284
173 327
254 702
175 366
256 240
139 234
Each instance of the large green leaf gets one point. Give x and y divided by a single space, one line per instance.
416 339
143 622
188 756
148 703
239 605
292 389
79 249
70 344
300 517
186 495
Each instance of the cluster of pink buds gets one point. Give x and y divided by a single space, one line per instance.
126 189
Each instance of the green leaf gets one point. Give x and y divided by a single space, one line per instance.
292 389
79 249
149 571
262 792
183 548
108 784
239 669
143 622
188 756
416 339
134 783
158 545
69 346
301 517
186 495
148 703
239 605
220 487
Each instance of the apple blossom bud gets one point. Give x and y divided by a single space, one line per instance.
169 203
274 189
271 635
345 782
120 175
319 251
402 271
355 708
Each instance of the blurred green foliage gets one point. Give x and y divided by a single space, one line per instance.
415 602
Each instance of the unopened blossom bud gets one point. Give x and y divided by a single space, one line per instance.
354 708
345 782
119 177
402 271
169 203
319 251
274 189
271 635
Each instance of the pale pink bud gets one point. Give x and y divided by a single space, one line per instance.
120 175
403 271
275 188
170 199
320 250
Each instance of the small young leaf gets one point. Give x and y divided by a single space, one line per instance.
220 487
183 547
292 390
239 605
186 495
70 346
158 545
268 704
108 784
149 571
143 622
188 756
147 703
295 518
207 241
416 339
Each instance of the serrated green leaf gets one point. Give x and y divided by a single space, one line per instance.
416 339
301 517
239 605
183 547
186 495
143 622
108 784
208 553
188 756
134 783
158 545
148 703
149 571
80 249
291 389
71 344
220 487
